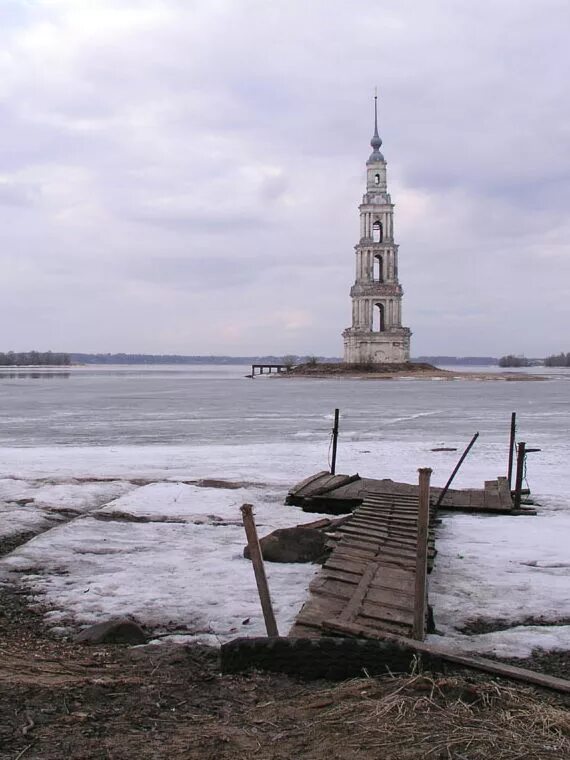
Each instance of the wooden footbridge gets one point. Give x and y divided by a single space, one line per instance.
376 576
375 579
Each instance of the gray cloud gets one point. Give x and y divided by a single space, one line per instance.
185 177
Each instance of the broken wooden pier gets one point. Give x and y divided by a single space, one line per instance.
338 494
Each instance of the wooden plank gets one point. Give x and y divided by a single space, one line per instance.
389 626
338 575
383 519
350 612
307 481
356 551
476 498
492 500
340 482
384 500
505 493
473 663
345 565
384 579
401 595
390 597
376 611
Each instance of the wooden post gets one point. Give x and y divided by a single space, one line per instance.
455 471
521 454
259 569
512 448
420 592
334 441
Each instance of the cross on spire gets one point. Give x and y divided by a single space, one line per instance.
376 142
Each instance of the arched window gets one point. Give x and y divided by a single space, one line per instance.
379 324
378 269
377 232
376 179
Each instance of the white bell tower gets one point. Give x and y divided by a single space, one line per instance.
376 335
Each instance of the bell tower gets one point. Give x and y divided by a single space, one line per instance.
376 335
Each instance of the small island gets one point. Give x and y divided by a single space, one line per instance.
396 371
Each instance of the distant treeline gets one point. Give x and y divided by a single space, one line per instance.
181 359
34 359
558 360
510 360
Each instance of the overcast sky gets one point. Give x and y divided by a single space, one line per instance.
183 176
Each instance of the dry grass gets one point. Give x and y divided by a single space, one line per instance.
414 717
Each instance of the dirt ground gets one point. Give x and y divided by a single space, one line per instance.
64 700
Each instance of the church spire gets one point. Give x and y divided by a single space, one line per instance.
376 141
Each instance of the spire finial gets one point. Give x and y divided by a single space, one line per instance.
376 112
376 141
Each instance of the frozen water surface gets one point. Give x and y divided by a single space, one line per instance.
80 446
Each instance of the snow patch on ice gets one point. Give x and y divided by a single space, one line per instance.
183 575
33 507
503 568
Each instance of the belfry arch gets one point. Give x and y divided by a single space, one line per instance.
377 232
379 318
378 274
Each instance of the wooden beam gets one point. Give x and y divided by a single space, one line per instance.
473 663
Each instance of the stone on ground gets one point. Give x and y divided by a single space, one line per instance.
115 631
292 545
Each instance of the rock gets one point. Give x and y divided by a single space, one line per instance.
292 545
115 631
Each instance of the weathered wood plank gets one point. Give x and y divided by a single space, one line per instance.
505 493
474 663
350 612
377 611
298 488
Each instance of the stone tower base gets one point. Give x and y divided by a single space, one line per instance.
367 347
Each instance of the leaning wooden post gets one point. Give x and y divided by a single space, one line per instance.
420 592
259 569
512 448
455 471
521 454
334 441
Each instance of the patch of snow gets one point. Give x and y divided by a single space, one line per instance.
29 506
183 575
511 568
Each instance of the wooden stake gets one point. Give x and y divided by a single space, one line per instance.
259 569
420 594
521 453
334 441
512 448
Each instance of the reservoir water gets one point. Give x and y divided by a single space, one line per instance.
201 405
